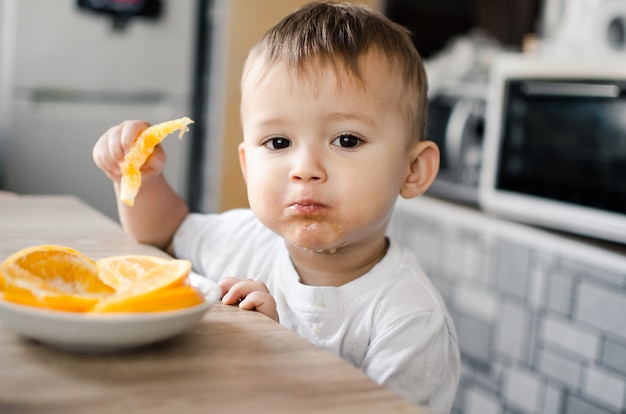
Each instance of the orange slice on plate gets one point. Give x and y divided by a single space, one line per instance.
61 278
55 277
163 287
141 150
159 301
121 272
26 292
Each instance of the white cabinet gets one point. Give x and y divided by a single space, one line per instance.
66 76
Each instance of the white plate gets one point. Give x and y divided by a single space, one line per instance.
106 332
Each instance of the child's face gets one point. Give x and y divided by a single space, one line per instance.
324 165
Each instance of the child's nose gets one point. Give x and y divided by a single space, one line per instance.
307 167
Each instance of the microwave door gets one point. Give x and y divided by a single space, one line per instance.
564 142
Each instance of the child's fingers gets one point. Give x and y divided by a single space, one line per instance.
111 147
105 153
249 294
114 144
129 132
228 282
155 162
261 302
236 290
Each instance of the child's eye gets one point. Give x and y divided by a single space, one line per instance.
347 141
277 143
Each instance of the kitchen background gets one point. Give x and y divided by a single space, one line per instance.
540 314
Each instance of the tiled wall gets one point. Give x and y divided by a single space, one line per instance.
541 318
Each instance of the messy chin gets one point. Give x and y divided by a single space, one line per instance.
312 237
308 232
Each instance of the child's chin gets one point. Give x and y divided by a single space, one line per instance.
315 248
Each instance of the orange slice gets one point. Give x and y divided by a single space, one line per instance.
149 288
123 271
141 150
52 276
44 297
162 300
61 278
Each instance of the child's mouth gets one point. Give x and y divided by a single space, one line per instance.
306 206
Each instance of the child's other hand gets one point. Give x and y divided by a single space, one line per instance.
249 294
116 142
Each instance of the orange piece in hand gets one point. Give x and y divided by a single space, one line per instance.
141 150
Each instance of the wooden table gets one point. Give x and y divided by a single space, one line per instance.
234 361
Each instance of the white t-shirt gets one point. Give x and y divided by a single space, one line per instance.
391 322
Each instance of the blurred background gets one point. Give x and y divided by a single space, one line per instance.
69 69
539 308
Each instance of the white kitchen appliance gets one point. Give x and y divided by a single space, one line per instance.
456 124
555 144
583 28
67 74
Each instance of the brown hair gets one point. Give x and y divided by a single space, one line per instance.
341 33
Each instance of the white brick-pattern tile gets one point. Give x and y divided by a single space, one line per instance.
538 277
478 401
477 302
552 401
559 368
512 331
560 292
602 306
453 264
614 355
541 317
563 333
605 387
523 390
514 262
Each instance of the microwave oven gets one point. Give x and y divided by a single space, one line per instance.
456 115
554 150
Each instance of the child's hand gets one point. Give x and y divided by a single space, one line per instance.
249 294
116 142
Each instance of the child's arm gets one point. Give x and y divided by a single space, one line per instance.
158 210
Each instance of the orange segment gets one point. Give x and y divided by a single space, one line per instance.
50 299
60 267
159 301
122 271
51 276
141 150
61 278
169 276
2 279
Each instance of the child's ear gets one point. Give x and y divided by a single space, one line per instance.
423 168
242 162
